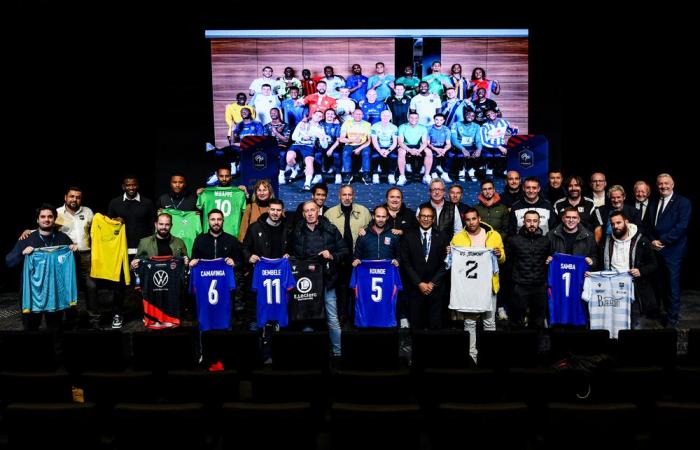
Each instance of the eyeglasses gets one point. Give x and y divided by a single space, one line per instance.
437 189
570 218
423 216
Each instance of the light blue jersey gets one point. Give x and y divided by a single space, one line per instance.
49 282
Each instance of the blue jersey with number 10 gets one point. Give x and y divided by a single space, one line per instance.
565 283
211 282
272 278
376 285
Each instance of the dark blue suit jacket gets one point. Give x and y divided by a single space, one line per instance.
672 226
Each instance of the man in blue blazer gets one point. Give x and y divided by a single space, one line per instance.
668 219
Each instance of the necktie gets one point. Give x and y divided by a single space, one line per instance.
641 207
425 245
659 210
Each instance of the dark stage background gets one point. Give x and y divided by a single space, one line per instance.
129 90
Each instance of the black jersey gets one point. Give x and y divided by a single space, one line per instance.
162 281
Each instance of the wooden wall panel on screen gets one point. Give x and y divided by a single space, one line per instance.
317 53
233 63
278 54
469 53
369 51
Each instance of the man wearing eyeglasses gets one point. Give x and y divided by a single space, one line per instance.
448 219
598 185
571 238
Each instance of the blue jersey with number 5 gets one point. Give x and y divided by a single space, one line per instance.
376 285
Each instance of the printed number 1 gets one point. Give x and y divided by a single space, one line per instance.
566 276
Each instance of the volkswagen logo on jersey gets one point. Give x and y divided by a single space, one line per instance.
304 285
259 161
160 278
526 158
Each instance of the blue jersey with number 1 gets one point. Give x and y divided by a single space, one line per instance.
211 282
272 279
565 283
376 285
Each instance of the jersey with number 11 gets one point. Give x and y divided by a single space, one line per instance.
272 278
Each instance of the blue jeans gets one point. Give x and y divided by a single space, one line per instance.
347 159
332 320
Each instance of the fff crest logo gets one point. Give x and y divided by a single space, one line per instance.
526 158
259 160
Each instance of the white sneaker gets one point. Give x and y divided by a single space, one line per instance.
445 177
330 171
404 323
375 178
502 315
209 147
294 174
117 321
489 172
433 176
422 170
317 179
213 180
402 180
392 179
427 180
409 169
307 187
338 178
280 178
472 174
461 175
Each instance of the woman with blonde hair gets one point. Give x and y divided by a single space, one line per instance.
259 204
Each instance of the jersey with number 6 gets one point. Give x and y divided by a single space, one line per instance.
565 282
211 282
376 285
472 270
230 200
272 279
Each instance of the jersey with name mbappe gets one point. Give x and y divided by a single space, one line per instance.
376 284
609 295
230 200
565 282
211 282
307 300
471 280
162 280
49 282
272 279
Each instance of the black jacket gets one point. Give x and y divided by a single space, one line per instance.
333 242
405 219
416 268
548 218
508 198
377 246
584 245
601 216
225 245
184 202
258 240
445 223
528 253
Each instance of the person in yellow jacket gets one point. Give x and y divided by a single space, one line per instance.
479 234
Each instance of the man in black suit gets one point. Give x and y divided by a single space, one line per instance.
669 218
423 252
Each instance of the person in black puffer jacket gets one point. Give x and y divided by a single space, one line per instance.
528 250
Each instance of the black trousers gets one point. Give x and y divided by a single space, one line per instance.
533 297
425 311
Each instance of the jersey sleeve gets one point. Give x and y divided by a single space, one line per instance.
289 280
230 278
256 277
354 277
586 294
397 278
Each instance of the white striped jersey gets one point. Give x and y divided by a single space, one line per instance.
493 134
609 295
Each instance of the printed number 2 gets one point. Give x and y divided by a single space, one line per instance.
566 276
471 267
377 297
269 284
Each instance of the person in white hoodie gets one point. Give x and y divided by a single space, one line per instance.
628 250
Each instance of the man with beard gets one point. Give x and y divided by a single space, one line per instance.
398 105
179 197
528 251
285 83
466 140
426 104
377 242
513 191
382 83
233 114
437 80
135 212
45 235
570 238
333 82
627 250
460 84
357 84
532 202
491 209
409 81
318 101
575 199
554 189
216 243
482 104
162 243
267 236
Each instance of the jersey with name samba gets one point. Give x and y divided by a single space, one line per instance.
376 284
211 282
49 282
565 283
272 279
472 271
609 295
